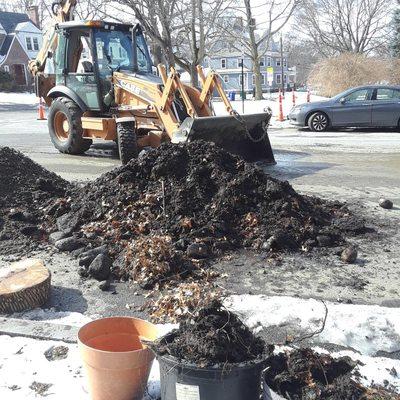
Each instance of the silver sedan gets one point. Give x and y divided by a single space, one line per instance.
366 106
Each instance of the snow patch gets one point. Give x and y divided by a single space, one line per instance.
365 328
25 98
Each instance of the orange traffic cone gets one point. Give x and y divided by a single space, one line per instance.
280 116
42 115
293 97
308 96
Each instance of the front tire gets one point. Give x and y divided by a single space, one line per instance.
65 127
127 141
318 122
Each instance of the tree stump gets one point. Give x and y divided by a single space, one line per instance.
24 285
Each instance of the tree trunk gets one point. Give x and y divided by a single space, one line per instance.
194 78
257 80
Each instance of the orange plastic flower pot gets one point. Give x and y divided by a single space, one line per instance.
116 362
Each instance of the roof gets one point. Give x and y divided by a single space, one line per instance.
9 20
6 45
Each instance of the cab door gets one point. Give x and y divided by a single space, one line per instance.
355 109
386 107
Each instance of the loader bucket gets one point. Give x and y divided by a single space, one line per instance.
244 135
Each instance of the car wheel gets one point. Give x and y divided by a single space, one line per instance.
318 122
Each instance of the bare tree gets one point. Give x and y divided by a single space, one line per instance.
339 26
255 40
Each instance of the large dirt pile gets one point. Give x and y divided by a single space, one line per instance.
215 336
177 203
304 374
25 190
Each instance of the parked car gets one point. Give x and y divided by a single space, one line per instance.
365 106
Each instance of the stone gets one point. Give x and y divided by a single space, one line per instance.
386 204
67 223
88 256
269 244
83 272
29 230
100 267
198 250
55 236
56 353
104 285
324 240
69 244
349 255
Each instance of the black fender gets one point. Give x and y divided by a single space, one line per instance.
64 91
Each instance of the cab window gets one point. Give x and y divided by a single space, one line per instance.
387 94
358 95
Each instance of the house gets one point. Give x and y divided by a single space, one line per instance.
227 62
20 41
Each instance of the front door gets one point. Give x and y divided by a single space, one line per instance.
355 109
386 107
18 71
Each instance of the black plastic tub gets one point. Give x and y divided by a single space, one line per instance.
180 381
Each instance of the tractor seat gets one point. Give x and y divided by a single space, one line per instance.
87 66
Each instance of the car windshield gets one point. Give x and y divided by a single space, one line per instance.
114 51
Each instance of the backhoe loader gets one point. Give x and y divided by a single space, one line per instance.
99 81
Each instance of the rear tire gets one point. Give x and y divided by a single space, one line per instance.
318 122
65 127
127 141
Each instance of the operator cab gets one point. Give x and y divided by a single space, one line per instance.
89 52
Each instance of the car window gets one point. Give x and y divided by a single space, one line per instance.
387 94
358 95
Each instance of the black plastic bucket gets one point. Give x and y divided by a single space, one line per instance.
181 381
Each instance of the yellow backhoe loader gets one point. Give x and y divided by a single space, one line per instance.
99 81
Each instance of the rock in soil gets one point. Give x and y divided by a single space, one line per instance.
56 236
207 193
215 336
88 256
69 244
198 250
56 353
23 198
104 285
40 388
386 204
303 374
100 268
349 255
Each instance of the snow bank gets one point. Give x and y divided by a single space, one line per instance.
257 106
364 328
18 98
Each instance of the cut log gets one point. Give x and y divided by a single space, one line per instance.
24 285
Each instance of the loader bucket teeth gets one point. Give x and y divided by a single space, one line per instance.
245 136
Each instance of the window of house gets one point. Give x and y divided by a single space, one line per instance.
226 78
269 62
241 79
35 43
285 78
278 79
239 63
284 62
223 62
263 79
278 62
262 62
6 68
29 43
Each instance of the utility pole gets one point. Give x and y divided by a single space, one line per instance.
243 94
282 69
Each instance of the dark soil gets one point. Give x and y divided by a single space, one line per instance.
304 374
214 337
25 190
151 210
